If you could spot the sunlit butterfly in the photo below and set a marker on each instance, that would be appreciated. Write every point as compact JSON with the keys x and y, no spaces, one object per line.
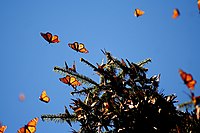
{"x":198,"y":2}
{"x":79,"y":47}
{"x":2,"y":129}
{"x":70,"y":80}
{"x":188,"y":79}
{"x":176,"y":13}
{"x":50,"y":38}
{"x":138,"y":12}
{"x":43,"y":97}
{"x":30,"y":127}
{"x":71,"y":69}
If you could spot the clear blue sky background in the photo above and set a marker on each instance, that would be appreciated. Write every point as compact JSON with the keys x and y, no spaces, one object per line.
{"x":27,"y":60}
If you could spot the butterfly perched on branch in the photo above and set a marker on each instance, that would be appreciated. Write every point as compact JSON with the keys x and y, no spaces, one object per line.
{"x":187,"y":79}
{"x":50,"y":38}
{"x":70,"y":80}
{"x":79,"y":47}
{"x":43,"y":97}
{"x":30,"y":127}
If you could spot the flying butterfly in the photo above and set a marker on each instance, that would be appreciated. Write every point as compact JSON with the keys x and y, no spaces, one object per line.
{"x":50,"y":38}
{"x":30,"y":127}
{"x":138,"y":12}
{"x":2,"y":129}
{"x":188,"y":79}
{"x":176,"y":13}
{"x":79,"y":47}
{"x":43,"y":97}
{"x":70,"y":80}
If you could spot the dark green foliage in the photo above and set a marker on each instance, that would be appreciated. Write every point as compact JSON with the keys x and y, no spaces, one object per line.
{"x":125,"y":100}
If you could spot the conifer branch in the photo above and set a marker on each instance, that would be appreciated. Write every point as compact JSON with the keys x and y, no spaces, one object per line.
{"x":82,"y":77}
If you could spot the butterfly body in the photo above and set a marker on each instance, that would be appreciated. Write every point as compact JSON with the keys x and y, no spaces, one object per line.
{"x":187,"y":79}
{"x":43,"y":97}
{"x":50,"y":38}
{"x":79,"y":47}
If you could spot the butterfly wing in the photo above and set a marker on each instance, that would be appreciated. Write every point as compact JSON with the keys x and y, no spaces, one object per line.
{"x":74,"y":46}
{"x":198,"y":3}
{"x":55,"y":39}
{"x":65,"y":80}
{"x":47,"y":36}
{"x":138,"y":12}
{"x":30,"y":127}
{"x":176,"y":13}
{"x":74,"y":82}
{"x":43,"y":97}
{"x":2,"y":129}
{"x":82,"y":49}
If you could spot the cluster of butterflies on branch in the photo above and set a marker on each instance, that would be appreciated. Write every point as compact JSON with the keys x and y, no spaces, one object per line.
{"x":176,"y":13}
{"x":190,"y":83}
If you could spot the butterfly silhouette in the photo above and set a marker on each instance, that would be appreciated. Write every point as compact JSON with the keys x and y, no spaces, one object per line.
{"x":50,"y":38}
{"x":43,"y":97}
{"x":79,"y":47}
{"x":30,"y":127}
{"x":187,"y":79}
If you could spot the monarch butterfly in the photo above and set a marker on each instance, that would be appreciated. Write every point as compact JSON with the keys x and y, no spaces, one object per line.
{"x":70,"y":80}
{"x":30,"y":127}
{"x":188,"y":79}
{"x":79,"y":47}
{"x":138,"y":12}
{"x":71,"y":69}
{"x":43,"y":97}
{"x":176,"y":13}
{"x":50,"y":38}
{"x":2,"y":129}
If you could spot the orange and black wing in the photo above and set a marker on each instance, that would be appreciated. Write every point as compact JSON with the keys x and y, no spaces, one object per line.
{"x":50,"y":38}
{"x":2,"y":129}
{"x":198,"y":3}
{"x":74,"y":82}
{"x":78,"y":47}
{"x":65,"y":80}
{"x":30,"y":127}
{"x":187,"y":79}
{"x":74,"y":46}
{"x":70,"y":80}
{"x":176,"y":13}
{"x":44,"y":97}
{"x":138,"y":12}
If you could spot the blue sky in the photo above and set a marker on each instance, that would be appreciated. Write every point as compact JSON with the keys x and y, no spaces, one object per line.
{"x":27,"y":60}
